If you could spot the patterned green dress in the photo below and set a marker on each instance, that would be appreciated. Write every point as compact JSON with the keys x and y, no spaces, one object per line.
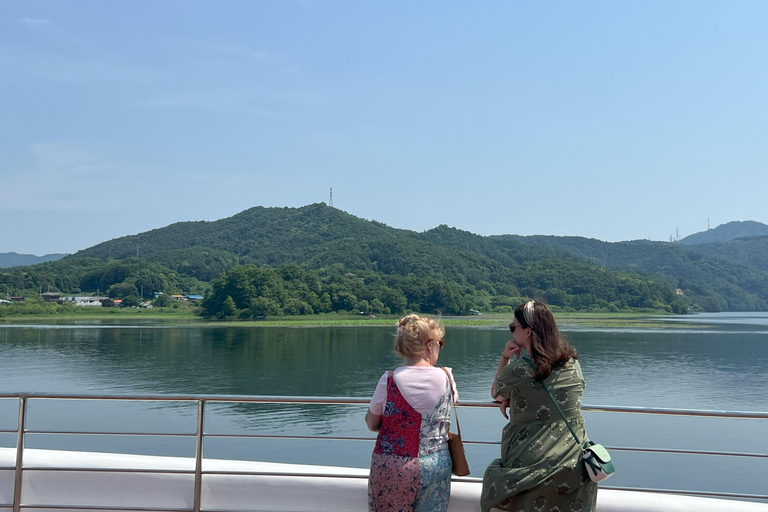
{"x":540,"y":469}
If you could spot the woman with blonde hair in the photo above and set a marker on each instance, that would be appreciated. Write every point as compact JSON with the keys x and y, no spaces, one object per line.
{"x":410,"y":409}
{"x":540,"y":466}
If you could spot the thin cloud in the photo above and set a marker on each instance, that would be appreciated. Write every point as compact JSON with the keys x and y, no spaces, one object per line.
{"x":69,"y":178}
{"x":57,"y":158}
{"x":240,"y":51}
{"x":203,"y":100}
{"x":260,"y":103}
{"x":34,"y":22}
{"x":21,"y":63}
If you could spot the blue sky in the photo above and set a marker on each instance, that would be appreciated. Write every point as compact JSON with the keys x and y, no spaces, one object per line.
{"x":610,"y":120}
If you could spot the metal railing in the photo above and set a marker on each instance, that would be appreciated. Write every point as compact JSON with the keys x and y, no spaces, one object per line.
{"x":21,"y":431}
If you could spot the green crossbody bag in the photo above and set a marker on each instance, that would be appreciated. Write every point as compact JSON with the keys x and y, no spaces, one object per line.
{"x":596,"y":458}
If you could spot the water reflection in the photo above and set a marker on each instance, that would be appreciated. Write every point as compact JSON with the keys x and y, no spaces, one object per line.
{"x":724,"y":367}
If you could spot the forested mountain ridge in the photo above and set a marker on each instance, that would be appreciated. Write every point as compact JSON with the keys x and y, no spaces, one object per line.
{"x":314,"y":236}
{"x":509,"y":252}
{"x":751,"y":251}
{"x":727,"y":232}
{"x":259,"y":235}
{"x":739,"y":281}
{"x":14,"y":259}
{"x":319,"y":259}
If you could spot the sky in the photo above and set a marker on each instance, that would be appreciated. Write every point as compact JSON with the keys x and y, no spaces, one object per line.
{"x":608,"y":120}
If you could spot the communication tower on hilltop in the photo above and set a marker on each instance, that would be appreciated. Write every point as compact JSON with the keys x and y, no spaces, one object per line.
{"x":330,"y":200}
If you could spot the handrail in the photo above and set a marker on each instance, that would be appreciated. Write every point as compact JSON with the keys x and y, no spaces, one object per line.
{"x":199,"y":435}
{"x":319,"y":400}
{"x":677,"y":412}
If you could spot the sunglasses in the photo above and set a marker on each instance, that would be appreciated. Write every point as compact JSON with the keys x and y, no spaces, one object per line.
{"x":440,"y":343}
{"x":512,"y":328}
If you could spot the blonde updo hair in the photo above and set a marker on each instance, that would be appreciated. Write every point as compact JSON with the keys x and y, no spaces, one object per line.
{"x":413,"y":333}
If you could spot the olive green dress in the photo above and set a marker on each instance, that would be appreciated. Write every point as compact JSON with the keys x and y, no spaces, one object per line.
{"x":540,"y":469}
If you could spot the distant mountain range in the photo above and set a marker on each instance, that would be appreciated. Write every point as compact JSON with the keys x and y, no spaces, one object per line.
{"x":727,"y":232}
{"x":728,"y":272}
{"x":13,"y":259}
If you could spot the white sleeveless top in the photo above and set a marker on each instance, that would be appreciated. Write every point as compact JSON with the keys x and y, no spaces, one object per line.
{"x":421,"y":386}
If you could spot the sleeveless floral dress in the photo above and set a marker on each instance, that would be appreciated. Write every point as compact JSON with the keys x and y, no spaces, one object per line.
{"x":411,"y":465}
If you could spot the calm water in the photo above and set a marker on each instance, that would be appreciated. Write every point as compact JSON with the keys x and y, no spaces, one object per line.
{"x":722,"y":364}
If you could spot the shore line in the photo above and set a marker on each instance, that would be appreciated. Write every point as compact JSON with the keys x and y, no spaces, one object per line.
{"x":565,"y":320}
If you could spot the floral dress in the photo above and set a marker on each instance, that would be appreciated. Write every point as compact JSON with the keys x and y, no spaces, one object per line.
{"x":540,"y":469}
{"x":411,"y":464}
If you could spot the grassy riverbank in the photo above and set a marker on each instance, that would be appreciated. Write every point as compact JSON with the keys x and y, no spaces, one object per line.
{"x":565,"y":320}
{"x":57,"y":314}
{"x":185,"y":315}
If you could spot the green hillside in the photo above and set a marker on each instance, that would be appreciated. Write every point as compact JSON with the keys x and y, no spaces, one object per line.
{"x":13,"y":259}
{"x":318,"y":259}
{"x":735,"y":286}
{"x":751,"y":251}
{"x":315,"y":236}
{"x":727,"y":232}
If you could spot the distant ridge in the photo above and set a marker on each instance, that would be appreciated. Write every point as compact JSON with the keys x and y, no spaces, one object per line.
{"x":751,"y":251}
{"x":444,"y":268}
{"x":14,"y":259}
{"x":727,"y":232}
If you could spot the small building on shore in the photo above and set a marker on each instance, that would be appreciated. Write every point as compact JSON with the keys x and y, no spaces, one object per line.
{"x":52,"y":297}
{"x":88,"y":301}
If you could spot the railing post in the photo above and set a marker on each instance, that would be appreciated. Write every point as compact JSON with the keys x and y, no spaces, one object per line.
{"x":198,"y":455}
{"x":19,"y":453}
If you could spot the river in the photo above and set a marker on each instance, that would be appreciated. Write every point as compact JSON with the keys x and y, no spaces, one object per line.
{"x":719,"y":363}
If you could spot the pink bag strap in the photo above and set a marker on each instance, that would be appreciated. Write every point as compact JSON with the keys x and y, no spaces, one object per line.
{"x":455,"y":411}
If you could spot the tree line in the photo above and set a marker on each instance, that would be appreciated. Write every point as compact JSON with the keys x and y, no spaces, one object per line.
{"x":249,"y":291}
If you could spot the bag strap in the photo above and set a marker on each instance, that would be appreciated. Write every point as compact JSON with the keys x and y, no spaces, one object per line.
{"x":555,"y":402}
{"x":455,"y":411}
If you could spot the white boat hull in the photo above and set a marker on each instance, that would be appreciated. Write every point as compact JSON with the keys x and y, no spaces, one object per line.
{"x":284,"y":487}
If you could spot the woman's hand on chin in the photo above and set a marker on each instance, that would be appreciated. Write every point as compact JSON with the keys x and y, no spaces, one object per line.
{"x":511,"y":349}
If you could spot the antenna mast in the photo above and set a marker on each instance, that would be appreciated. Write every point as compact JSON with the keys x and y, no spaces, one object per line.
{"x":330,"y":200}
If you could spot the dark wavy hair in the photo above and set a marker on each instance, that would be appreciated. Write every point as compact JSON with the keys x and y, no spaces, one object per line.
{"x":549,"y":349}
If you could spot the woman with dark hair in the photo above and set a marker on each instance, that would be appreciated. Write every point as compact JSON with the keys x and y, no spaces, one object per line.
{"x":540,"y":468}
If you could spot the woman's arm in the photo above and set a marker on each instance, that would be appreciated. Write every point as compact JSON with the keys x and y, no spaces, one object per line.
{"x":510,"y":349}
{"x":502,"y":363}
{"x":373,"y":421}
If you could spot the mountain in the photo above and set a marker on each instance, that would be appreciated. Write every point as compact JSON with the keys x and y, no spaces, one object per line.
{"x":13,"y":259}
{"x":314,"y":236}
{"x":727,"y":232}
{"x":739,"y":286}
{"x":324,"y":259}
{"x":751,"y":251}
